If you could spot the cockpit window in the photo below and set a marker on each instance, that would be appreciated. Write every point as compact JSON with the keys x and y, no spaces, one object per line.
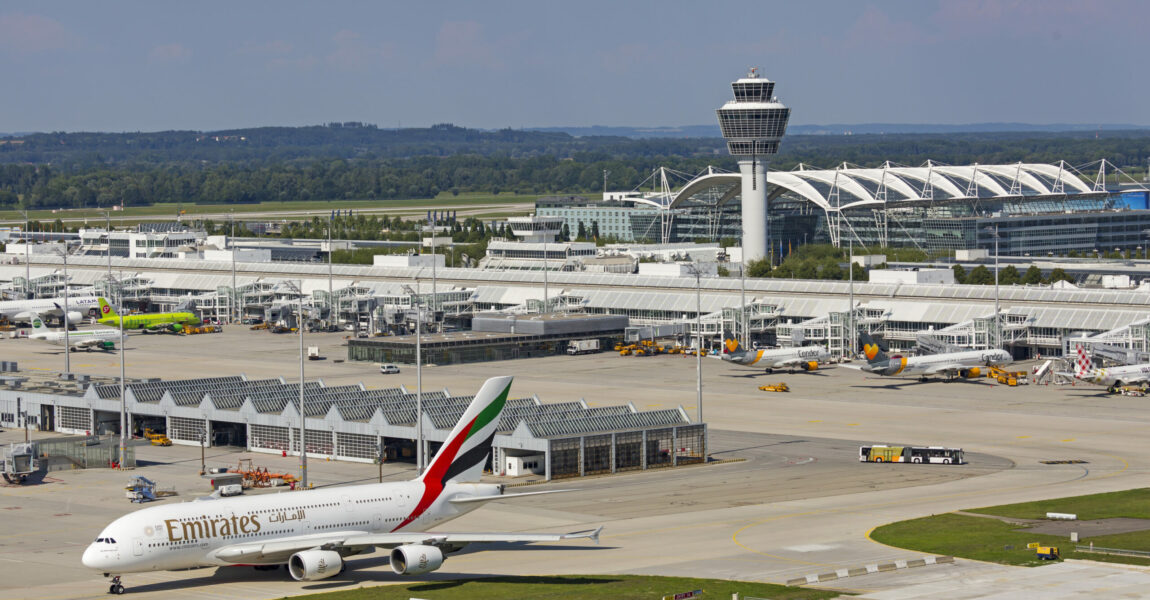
{"x":99,"y":540}
{"x":110,"y":540}
{"x":105,"y":541}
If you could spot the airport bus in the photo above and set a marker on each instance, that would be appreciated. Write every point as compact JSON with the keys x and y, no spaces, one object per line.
{"x":911,"y":454}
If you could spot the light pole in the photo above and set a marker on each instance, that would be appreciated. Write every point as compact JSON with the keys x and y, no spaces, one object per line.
{"x":546,"y":296}
{"x":379,"y":458}
{"x":302,"y":412}
{"x":203,"y":441}
{"x":235,"y":306}
{"x":997,"y":332}
{"x":123,"y":400}
{"x":331,"y":309}
{"x":27,"y":264}
{"x":418,"y":374}
{"x":67,"y":345}
{"x":108,"y":237}
{"x":743,"y":305}
{"x":694,"y":269}
{"x":851,"y":309}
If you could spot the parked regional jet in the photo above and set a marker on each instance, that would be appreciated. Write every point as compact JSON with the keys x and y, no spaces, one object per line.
{"x":806,"y":358}
{"x":312,"y":532}
{"x":99,"y":339}
{"x":950,"y":364}
{"x":1112,"y":378}
{"x":25,"y":310}
{"x":169,"y":321}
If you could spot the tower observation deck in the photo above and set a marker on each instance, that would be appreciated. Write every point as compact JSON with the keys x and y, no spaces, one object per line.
{"x":753,"y":124}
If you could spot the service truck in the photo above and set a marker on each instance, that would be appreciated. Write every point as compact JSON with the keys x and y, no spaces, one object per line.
{"x":582,"y":347}
{"x":313,"y":353}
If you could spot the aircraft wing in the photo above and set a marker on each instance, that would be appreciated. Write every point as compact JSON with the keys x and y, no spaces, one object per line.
{"x":282,"y":549}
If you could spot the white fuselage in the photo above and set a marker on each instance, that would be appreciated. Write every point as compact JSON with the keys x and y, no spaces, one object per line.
{"x":187,"y":535}
{"x":78,"y":338}
{"x":942,"y":363}
{"x":779,"y":358}
{"x":1116,"y":375}
{"x":15,"y":308}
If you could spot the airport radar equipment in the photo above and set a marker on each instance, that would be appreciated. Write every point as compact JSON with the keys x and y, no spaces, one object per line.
{"x":753,"y":124}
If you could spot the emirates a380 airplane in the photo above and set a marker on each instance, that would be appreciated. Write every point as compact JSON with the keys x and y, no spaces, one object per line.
{"x":312,"y":532}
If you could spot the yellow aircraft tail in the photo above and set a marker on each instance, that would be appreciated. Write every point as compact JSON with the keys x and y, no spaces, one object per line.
{"x":106,"y":309}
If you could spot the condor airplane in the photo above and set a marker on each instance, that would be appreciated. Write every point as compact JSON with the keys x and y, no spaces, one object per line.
{"x":312,"y":532}
{"x":950,"y":364}
{"x":806,"y":358}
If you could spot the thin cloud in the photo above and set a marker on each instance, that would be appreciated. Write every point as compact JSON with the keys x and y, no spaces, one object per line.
{"x":169,"y":53}
{"x":463,"y":43}
{"x":27,"y":34}
{"x":352,"y":53}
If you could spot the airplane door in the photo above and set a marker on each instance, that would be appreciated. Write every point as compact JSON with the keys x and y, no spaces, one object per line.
{"x":376,"y":522}
{"x":137,"y":546}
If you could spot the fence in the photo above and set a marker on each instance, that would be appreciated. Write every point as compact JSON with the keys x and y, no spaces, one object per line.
{"x":1116,"y":551}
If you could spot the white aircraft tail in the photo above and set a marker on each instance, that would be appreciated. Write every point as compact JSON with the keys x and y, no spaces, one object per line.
{"x":1082,"y":365}
{"x":38,"y":325}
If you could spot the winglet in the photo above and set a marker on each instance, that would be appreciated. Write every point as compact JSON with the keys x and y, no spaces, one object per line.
{"x":592,"y":535}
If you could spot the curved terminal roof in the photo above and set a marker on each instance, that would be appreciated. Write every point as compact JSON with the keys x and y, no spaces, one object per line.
{"x":851,"y":187}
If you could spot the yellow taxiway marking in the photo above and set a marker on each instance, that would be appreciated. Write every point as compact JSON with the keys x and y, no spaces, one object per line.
{"x":1068,"y":440}
{"x":650,"y":405}
{"x":815,"y":421}
{"x":1022,"y":437}
{"x":852,"y":424}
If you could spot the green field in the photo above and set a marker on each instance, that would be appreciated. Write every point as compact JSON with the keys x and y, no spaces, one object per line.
{"x":574,"y":587}
{"x":1134,"y":504}
{"x":444,"y":200}
{"x":992,"y":540}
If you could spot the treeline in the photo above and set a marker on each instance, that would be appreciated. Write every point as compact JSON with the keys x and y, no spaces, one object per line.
{"x":98,"y":170}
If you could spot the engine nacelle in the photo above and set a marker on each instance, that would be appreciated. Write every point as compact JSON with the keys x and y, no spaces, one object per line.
{"x":75,"y":318}
{"x":811,"y":365}
{"x":313,"y":565}
{"x":176,"y":327}
{"x":415,"y":559}
{"x":972,"y":372}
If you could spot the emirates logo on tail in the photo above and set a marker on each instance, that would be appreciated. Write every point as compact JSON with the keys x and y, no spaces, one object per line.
{"x":1083,"y":364}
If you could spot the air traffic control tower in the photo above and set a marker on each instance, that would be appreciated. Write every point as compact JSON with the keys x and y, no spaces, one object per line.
{"x":753,"y":123}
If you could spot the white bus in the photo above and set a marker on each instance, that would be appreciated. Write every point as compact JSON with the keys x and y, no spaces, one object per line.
{"x":911,"y":454}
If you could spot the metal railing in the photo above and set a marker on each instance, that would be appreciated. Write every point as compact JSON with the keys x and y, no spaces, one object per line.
{"x":1117,"y":551}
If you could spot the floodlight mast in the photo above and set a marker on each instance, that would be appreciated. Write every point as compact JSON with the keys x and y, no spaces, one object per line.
{"x":753,"y":124}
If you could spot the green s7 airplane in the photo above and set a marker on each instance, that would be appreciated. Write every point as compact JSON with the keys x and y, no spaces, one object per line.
{"x":171,"y":321}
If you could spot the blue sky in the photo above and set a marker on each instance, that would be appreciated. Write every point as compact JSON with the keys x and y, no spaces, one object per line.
{"x":127,"y":66}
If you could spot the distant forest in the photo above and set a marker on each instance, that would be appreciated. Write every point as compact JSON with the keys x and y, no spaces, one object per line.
{"x":357,"y":161}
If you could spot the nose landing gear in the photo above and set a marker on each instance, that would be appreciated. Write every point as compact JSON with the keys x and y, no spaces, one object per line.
{"x":116,"y":587}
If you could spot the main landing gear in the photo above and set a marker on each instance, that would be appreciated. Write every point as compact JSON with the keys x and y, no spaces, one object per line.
{"x":116,"y":587}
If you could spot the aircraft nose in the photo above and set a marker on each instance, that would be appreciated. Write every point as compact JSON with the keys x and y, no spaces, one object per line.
{"x":89,"y":558}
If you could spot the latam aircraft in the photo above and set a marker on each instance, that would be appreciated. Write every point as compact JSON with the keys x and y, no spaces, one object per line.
{"x":968,"y":363}
{"x":314,"y":531}
{"x":24,"y":310}
{"x":806,"y":358}
{"x":1111,"y":378}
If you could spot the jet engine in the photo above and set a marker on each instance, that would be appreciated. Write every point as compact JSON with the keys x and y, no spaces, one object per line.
{"x":176,"y":327}
{"x":313,"y":565}
{"x":971,"y":373}
{"x":415,"y":559}
{"x":75,"y":318}
{"x":811,"y":365}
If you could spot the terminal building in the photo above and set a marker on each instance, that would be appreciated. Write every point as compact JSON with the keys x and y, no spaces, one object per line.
{"x":350,"y":422}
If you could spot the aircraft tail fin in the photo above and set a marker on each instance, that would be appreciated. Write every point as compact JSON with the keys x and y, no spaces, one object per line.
{"x":106,"y":309}
{"x":873,"y":352}
{"x":464,"y":454}
{"x":731,"y":345}
{"x":38,"y":324}
{"x":1083,"y":364}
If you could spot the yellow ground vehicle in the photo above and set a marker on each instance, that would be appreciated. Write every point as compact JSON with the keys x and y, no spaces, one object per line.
{"x":618,"y":347}
{"x":1011,"y":378}
{"x":625,"y":351}
{"x":157,"y":439}
{"x":1047,"y":552}
{"x":258,"y":326}
{"x":775,"y":387}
